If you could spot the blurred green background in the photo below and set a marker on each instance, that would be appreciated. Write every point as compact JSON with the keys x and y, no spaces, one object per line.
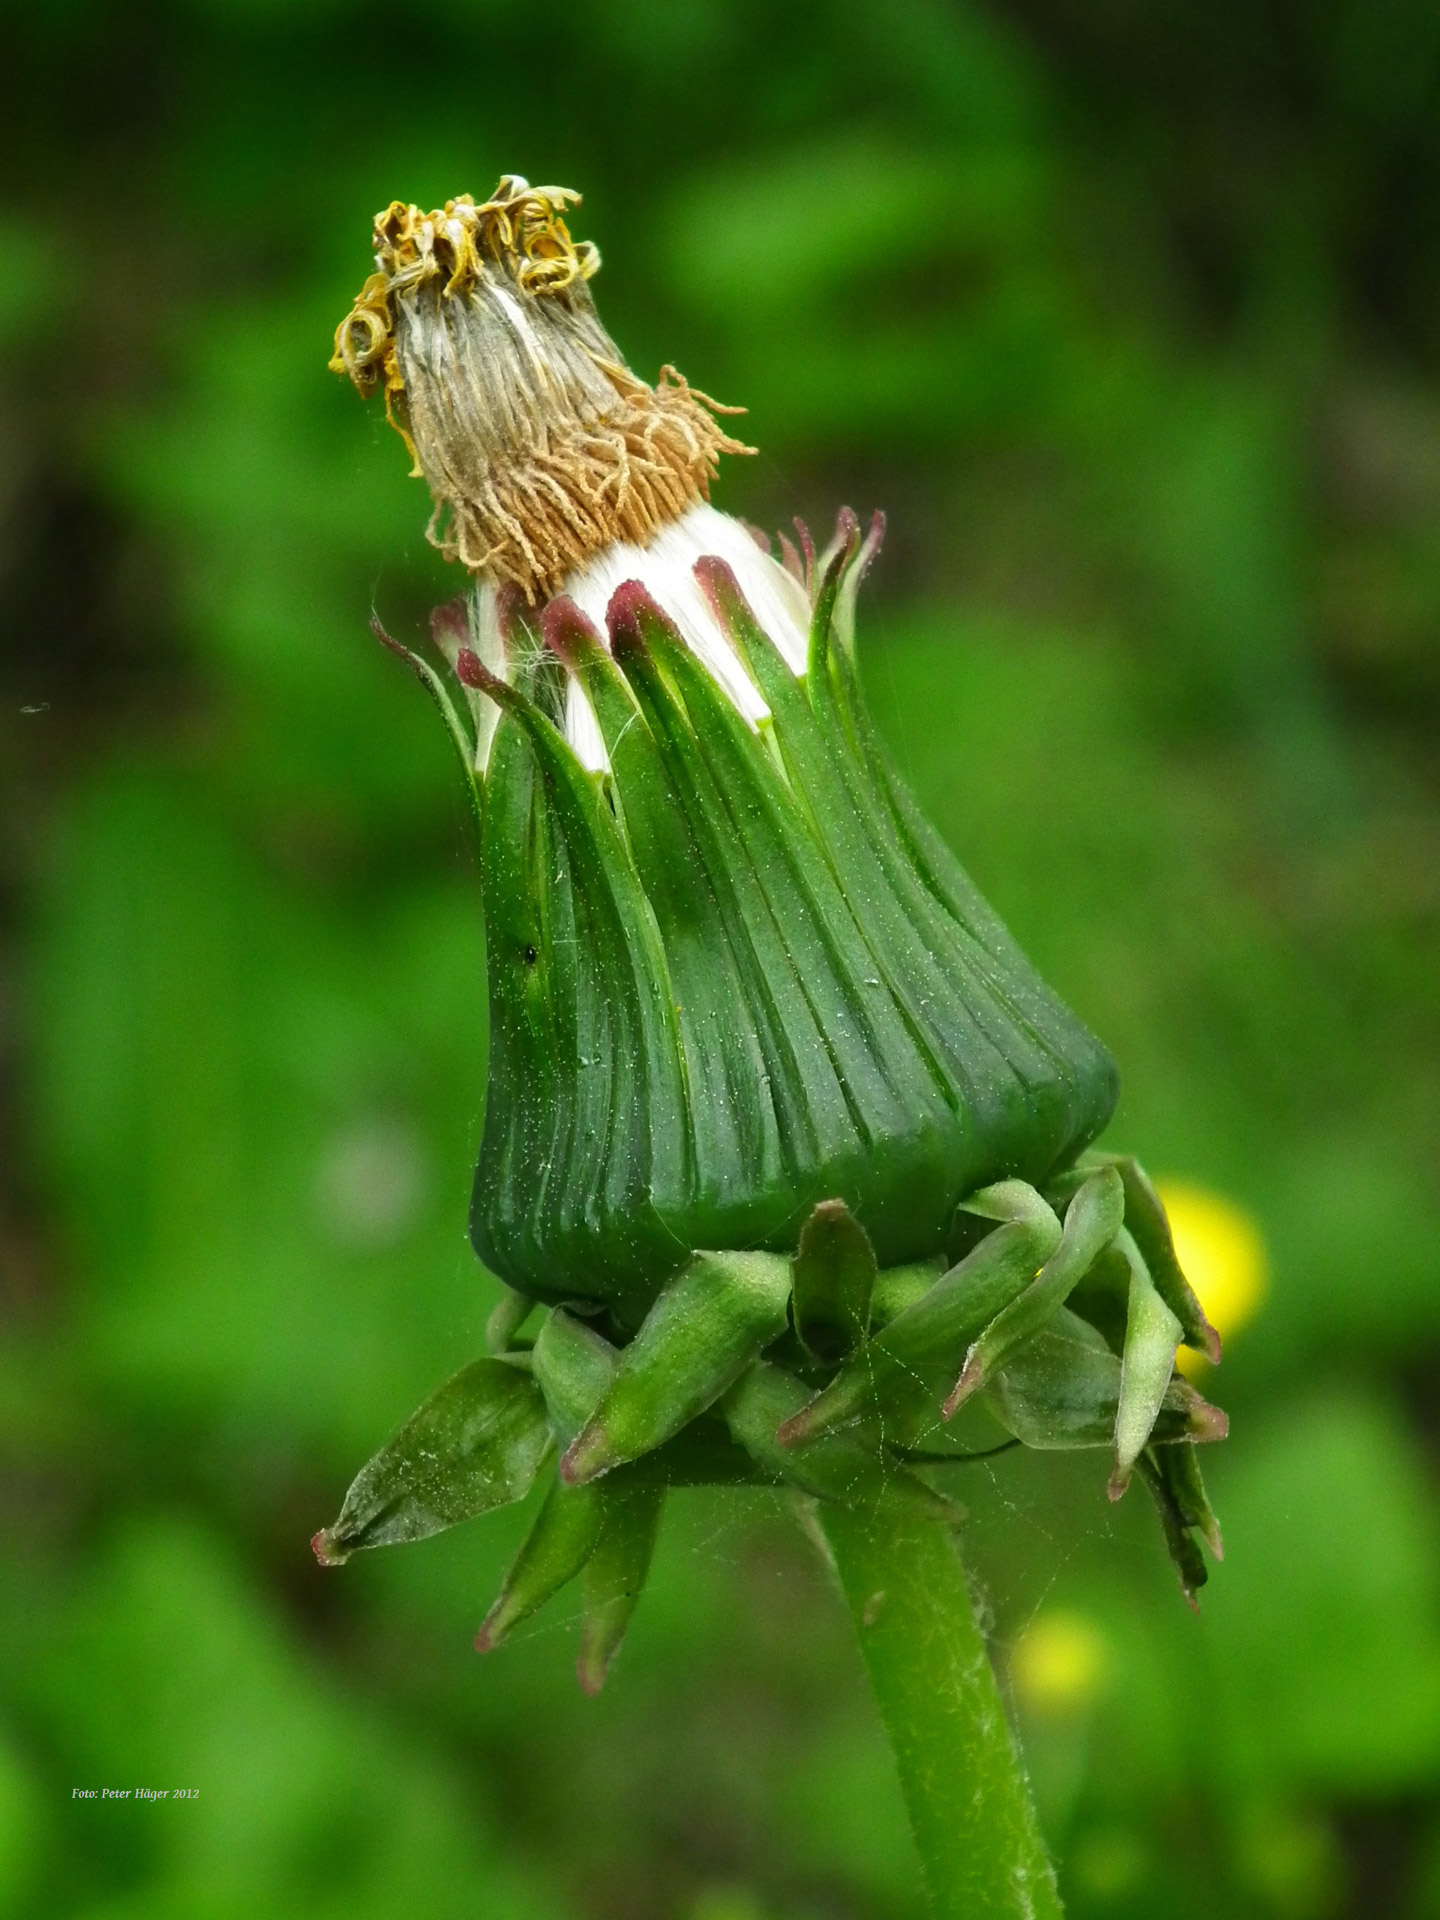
{"x":1130,"y":317}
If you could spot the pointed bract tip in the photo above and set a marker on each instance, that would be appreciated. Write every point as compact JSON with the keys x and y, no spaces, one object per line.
{"x":1207,"y":1422}
{"x":630,"y":601}
{"x":587,"y":1456}
{"x":795,"y":1431}
{"x":838,"y":555}
{"x":489,"y":1636}
{"x":972,"y":1376}
{"x":825,"y":1211}
{"x":1212,"y":1348}
{"x":510,"y":606}
{"x":450,"y":620}
{"x":567,"y":631}
{"x":590,"y":1673}
{"x":322,"y":1545}
{"x":471,"y":671}
{"x":388,"y":640}
{"x":791,"y":561}
{"x":718,"y":583}
{"x":1118,"y":1482}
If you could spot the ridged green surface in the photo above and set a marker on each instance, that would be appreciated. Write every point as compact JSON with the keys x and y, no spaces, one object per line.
{"x":738,"y":976}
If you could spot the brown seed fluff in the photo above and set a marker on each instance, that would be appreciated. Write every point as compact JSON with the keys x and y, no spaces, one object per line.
{"x":539,"y":444}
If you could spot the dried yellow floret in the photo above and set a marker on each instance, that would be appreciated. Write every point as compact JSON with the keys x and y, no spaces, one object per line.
{"x":539,"y":445}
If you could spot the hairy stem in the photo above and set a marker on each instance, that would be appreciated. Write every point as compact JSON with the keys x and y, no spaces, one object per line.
{"x":965,"y":1789}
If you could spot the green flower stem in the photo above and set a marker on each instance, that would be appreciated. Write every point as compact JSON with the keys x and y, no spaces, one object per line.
{"x":960,"y":1771}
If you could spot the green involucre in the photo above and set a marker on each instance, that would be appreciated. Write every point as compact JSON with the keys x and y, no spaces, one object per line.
{"x":736,"y":975}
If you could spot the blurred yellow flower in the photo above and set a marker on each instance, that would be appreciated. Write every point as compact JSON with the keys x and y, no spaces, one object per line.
{"x":1060,"y":1662}
{"x":1220,"y":1248}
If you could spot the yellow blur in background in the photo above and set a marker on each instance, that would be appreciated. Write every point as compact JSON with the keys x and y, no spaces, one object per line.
{"x":1222,"y":1254}
{"x":1060,"y":1664}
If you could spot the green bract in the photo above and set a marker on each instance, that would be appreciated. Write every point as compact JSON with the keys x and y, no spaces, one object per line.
{"x":736,"y":974}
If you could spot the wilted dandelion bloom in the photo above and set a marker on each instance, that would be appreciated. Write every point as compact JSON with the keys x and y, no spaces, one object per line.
{"x":781,"y":1127}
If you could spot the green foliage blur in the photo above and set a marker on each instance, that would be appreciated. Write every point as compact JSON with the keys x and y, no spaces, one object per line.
{"x":1131,"y":319}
